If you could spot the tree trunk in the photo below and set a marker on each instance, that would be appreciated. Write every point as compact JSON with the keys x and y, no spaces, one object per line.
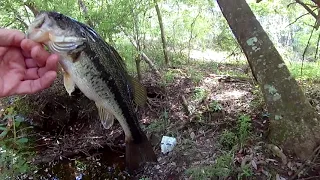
{"x":143,"y":55}
{"x":137,"y":40}
{"x":163,"y":37}
{"x":191,"y":34}
{"x":84,"y":10}
{"x":294,"y":124}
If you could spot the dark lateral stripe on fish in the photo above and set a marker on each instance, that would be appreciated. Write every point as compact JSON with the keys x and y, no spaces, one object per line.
{"x":128,"y":115}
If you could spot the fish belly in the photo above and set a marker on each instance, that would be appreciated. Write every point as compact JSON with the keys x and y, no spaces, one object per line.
{"x":88,"y":80}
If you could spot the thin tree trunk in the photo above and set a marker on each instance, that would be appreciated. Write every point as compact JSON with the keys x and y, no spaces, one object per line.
{"x":163,"y":37}
{"x":137,"y":39}
{"x":191,"y":34}
{"x":84,"y":10}
{"x":143,"y":55}
{"x":294,"y":124}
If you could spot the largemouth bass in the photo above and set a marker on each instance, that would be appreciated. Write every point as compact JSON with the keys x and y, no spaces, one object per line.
{"x":99,"y":72}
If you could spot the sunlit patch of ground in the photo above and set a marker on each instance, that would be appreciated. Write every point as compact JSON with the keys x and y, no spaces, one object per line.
{"x":210,"y":55}
{"x":215,"y":105}
{"x":197,"y":133}
{"x":215,"y":94}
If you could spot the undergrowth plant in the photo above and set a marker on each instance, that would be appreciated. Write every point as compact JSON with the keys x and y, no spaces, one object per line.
{"x":230,"y":141}
{"x":215,"y":106}
{"x":15,"y":151}
{"x":244,"y":129}
{"x":223,"y":168}
{"x":200,"y":94}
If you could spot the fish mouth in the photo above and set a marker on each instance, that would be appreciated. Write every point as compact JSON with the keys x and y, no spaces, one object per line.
{"x":36,"y":32}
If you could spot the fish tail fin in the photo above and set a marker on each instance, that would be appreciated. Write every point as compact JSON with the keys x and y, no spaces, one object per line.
{"x":138,"y":153}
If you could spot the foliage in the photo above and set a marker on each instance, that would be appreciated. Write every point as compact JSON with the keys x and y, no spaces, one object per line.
{"x":229,"y":142}
{"x":198,"y":22}
{"x":14,"y":146}
{"x":310,"y":70}
{"x":189,"y":25}
{"x":195,"y":76}
{"x":244,"y":128}
{"x":228,"y":139}
{"x":170,"y":75}
{"x":200,"y":93}
{"x":222,"y":168}
{"x":215,"y":106}
{"x":160,"y":125}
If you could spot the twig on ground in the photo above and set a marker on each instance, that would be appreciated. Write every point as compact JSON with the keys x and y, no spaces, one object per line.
{"x":185,"y":105}
{"x":314,"y":156}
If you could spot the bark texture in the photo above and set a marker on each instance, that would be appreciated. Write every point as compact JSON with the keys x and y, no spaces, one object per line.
{"x":294,"y":124}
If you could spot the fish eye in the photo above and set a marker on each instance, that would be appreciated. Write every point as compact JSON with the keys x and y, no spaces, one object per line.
{"x":83,"y":34}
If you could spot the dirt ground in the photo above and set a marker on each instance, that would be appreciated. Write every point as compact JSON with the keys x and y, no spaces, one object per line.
{"x":71,"y":142}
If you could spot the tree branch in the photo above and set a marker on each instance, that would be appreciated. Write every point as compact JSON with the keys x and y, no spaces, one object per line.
{"x":18,"y":17}
{"x":317,"y":50}
{"x":297,"y":19}
{"x":290,"y":4}
{"x":8,"y":24}
{"x":144,"y":56}
{"x":305,"y":50}
{"x":317,"y":2}
{"x":308,"y":9}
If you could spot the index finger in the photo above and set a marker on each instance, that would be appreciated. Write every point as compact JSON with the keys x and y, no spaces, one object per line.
{"x":11,"y":37}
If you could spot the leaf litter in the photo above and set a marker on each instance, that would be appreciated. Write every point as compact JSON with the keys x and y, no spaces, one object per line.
{"x":196,"y":113}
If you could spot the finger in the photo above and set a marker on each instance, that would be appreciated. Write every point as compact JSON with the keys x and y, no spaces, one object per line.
{"x":26,"y":46}
{"x":34,"y":86}
{"x":30,"y":63}
{"x":11,"y":37}
{"x":39,"y":55}
{"x":35,"y":50}
{"x":51,"y":65}
{"x":31,"y":74}
{"x":52,"y":62}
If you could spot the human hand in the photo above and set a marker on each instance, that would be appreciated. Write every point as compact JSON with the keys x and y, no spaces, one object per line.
{"x":25,"y":66}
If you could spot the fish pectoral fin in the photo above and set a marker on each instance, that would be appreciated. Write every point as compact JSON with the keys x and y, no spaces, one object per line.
{"x":68,"y":83}
{"x":105,"y":116}
{"x":139,"y":91}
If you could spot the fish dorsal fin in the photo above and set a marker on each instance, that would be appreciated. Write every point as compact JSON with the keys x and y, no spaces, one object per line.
{"x":139,"y":91}
{"x":68,"y":83}
{"x":105,"y":116}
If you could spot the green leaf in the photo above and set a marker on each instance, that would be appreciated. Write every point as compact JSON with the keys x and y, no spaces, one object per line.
{"x":4,"y":133}
{"x":19,"y":119}
{"x":17,"y":123}
{"x":22,"y":140}
{"x":3,"y":128}
{"x":8,"y":117}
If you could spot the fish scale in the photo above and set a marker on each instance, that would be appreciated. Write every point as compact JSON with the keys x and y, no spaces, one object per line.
{"x":99,"y":72}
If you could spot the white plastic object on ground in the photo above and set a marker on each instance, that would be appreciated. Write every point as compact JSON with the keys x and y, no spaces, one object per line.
{"x":167,"y":144}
